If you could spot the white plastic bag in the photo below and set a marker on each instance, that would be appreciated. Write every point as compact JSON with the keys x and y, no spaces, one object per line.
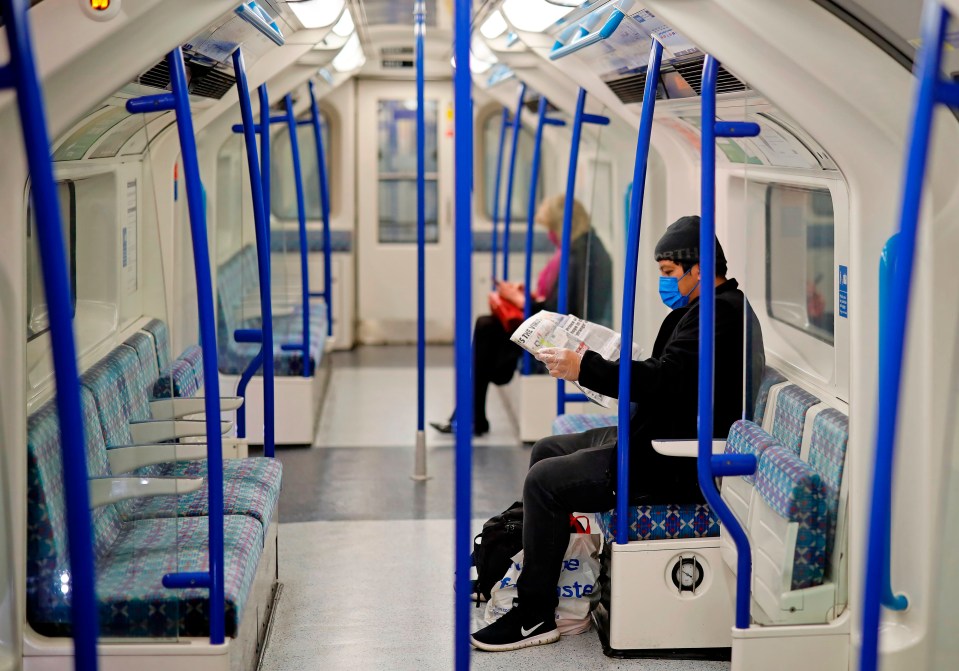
{"x":577,"y":589}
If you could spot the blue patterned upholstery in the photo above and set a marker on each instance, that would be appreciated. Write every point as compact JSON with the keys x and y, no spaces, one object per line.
{"x":161,"y":340}
{"x":183,"y":377}
{"x":771,"y":377}
{"x":143,"y":345}
{"x":790,"y":416}
{"x":658,"y":522}
{"x":794,"y":490}
{"x":237,"y":284}
{"x":105,"y":383}
{"x":579,"y":423}
{"x":827,"y":454}
{"x":747,"y":437}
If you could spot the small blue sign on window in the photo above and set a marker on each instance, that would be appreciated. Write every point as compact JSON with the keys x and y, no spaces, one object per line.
{"x":844,"y":292}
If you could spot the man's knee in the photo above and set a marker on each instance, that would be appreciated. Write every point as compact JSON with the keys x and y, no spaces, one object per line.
{"x":540,"y":479}
{"x":544,"y":449}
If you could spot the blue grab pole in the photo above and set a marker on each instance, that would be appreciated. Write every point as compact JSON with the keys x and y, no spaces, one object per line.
{"x":204,"y":289}
{"x":260,"y":226}
{"x":265,"y":153}
{"x":508,"y":211}
{"x":541,"y":122}
{"x":21,"y":75}
{"x":706,"y":465}
{"x":304,"y":245}
{"x":563,"y":295}
{"x":463,"y":138}
{"x":634,"y":227}
{"x":325,"y":207}
{"x":420,"y":28}
{"x":499,"y":175}
{"x":932,"y":89}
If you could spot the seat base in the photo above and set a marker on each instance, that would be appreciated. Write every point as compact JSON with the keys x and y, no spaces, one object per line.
{"x":641,"y":603}
{"x":794,"y":648}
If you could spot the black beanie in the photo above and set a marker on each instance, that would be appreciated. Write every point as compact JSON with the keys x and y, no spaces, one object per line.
{"x":680,"y":244}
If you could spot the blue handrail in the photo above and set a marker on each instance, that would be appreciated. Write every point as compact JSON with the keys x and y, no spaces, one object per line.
{"x":463,"y":155}
{"x":586,"y":39}
{"x":327,"y":292}
{"x":419,"y":16}
{"x":21,"y":74}
{"x":204,"y":288}
{"x":634,"y":224}
{"x":579,"y":119}
{"x":508,"y":212}
{"x":504,"y":124}
{"x":932,"y":90}
{"x":304,"y":245}
{"x":253,"y":14}
{"x":708,"y":467}
{"x":260,"y":226}
{"x":264,"y":130}
{"x":541,"y":122}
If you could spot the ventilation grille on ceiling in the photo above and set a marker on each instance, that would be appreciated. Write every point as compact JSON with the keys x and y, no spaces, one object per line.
{"x":205,"y":81}
{"x":692,"y":72}
{"x":396,"y":63}
{"x":630,"y":89}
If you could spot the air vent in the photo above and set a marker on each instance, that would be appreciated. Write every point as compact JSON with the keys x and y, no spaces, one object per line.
{"x":397,"y":51}
{"x":205,"y":81}
{"x":396,"y":63}
{"x":630,"y":89}
{"x":692,"y":72}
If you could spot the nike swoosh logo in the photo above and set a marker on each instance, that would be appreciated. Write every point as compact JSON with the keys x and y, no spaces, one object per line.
{"x":527,"y":632}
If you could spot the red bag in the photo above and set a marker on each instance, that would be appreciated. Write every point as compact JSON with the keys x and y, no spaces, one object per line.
{"x":509,"y":315}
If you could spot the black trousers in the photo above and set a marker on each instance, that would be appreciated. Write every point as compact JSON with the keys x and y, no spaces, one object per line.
{"x":570,"y":473}
{"x":494,"y":361}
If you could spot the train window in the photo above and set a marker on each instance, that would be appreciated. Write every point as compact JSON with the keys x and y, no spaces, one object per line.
{"x":397,"y":171}
{"x":800,"y":277}
{"x":524,"y":160}
{"x":282,"y":188}
{"x":38,"y":321}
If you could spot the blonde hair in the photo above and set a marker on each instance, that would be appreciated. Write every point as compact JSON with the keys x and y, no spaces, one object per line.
{"x":554,"y":207}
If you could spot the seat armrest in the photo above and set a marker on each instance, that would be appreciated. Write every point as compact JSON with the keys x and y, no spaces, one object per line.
{"x":131,"y":457}
{"x":176,"y":408}
{"x":104,"y":491}
{"x":233,"y":447}
{"x":157,"y":431}
{"x":685,"y":448}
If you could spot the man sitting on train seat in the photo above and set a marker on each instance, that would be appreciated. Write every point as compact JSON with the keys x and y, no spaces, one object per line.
{"x":577,"y":472}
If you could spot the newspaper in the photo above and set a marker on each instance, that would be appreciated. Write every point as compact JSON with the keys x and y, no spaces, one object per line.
{"x":550,"y":329}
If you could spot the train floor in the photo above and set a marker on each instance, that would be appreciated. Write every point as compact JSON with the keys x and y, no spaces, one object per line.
{"x":366,"y":553}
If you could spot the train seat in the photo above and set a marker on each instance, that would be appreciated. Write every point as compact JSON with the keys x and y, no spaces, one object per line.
{"x":131,"y":557}
{"x":238,"y":296}
{"x":116,"y":386}
{"x":577,"y":423}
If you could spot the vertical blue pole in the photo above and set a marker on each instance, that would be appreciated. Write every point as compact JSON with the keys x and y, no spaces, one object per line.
{"x":21,"y":74}
{"x":508,"y":212}
{"x":877,"y":589}
{"x":420,"y":29}
{"x":531,"y":218}
{"x":260,"y":226}
{"x":563,"y":297}
{"x":463,"y":135}
{"x":325,"y":205}
{"x":265,"y":166}
{"x":499,"y":174}
{"x":304,"y":244}
{"x":204,"y":289}
{"x":634,"y":227}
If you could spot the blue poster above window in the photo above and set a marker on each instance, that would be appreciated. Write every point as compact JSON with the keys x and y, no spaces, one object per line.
{"x":844,"y":292}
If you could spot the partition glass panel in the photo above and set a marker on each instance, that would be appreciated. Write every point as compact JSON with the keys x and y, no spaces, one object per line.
{"x":524,"y":158}
{"x":282,"y":188}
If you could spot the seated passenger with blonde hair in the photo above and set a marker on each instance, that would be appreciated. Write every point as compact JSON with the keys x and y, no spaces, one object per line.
{"x":589,"y":290}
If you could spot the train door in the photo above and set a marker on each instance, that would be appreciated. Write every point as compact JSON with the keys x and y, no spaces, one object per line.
{"x":386,"y":212}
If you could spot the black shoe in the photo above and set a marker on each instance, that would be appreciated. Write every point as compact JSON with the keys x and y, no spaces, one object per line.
{"x":513,"y":631}
{"x":479,"y":429}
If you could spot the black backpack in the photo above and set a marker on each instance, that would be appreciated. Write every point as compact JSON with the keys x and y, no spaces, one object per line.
{"x":494,"y":547}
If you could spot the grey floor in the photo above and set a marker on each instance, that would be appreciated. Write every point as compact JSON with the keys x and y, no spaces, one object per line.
{"x":366,"y":553}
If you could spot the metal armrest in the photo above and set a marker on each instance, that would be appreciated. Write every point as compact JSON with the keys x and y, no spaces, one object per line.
{"x":175,"y":408}
{"x":157,"y":431}
{"x":685,"y":448}
{"x":131,"y":457}
{"x":104,"y":491}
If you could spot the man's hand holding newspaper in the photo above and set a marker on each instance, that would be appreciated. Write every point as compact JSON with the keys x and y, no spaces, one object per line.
{"x":560,"y":341}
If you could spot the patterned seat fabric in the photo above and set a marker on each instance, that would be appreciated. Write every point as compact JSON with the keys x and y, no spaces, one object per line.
{"x":827,"y":454}
{"x":771,"y":377}
{"x":183,"y":377}
{"x":663,"y":521}
{"x":130,"y":557}
{"x":747,"y":437}
{"x":795,"y":491}
{"x":238,"y":284}
{"x":790,"y":416}
{"x":578,"y":423}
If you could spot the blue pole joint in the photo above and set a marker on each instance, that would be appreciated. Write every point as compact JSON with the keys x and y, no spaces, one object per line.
{"x":736,"y":129}
{"x":161,"y":102}
{"x":732,"y":464}
{"x":187,"y":580}
{"x":248,"y":335}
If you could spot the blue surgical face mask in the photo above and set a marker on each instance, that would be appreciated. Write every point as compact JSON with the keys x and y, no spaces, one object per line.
{"x":670,"y":293}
